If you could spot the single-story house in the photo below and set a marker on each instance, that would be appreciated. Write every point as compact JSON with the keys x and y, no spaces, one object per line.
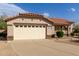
{"x":35,"y":26}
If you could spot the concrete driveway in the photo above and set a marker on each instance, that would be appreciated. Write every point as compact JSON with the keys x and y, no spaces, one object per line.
{"x":43,"y":48}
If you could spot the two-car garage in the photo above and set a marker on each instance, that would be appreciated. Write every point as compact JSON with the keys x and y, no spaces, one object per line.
{"x":27,"y":26}
{"x":29,"y":31}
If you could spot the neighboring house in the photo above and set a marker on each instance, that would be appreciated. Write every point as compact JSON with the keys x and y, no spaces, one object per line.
{"x":35,"y":26}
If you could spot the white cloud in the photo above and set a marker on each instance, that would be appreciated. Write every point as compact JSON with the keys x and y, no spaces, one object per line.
{"x":10,"y":9}
{"x":73,"y":9}
{"x":46,"y":14}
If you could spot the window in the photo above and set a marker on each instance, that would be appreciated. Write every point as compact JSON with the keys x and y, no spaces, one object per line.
{"x":40,"y":26}
{"x":29,"y":26}
{"x":36,"y":26}
{"x":25,"y":25}
{"x":16,"y":25}
{"x":21,"y":26}
{"x":32,"y":26}
{"x":60,"y":28}
{"x":43,"y":26}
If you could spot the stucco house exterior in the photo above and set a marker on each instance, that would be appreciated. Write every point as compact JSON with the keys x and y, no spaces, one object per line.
{"x":62,"y":25}
{"x":35,"y":26}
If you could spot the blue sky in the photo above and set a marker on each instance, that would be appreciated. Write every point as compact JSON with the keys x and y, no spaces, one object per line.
{"x":53,"y":10}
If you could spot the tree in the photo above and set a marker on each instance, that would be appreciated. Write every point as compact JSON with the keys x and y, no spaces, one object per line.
{"x":3,"y":24}
{"x":76,"y":30}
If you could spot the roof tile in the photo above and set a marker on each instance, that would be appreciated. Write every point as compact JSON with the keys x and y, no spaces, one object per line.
{"x":60,"y":21}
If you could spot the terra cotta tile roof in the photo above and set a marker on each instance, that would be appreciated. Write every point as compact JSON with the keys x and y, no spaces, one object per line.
{"x":55,"y":21}
{"x":28,"y":15}
{"x":60,"y":21}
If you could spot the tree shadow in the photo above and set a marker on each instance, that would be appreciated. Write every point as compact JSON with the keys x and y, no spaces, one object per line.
{"x":76,"y":41}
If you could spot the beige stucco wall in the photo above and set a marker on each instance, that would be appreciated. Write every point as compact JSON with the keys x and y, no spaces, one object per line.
{"x":50,"y":30}
{"x":25,"y":20}
{"x":70,"y":29}
{"x":9,"y":31}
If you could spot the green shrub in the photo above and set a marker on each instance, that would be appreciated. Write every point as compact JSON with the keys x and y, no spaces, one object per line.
{"x":60,"y":34}
{"x":76,"y":31}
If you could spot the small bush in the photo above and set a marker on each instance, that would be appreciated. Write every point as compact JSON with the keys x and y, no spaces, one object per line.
{"x":59,"y":34}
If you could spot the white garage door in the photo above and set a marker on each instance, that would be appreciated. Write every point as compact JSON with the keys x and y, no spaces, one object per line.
{"x":29,"y":32}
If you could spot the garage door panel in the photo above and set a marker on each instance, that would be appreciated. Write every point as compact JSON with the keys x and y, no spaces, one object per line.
{"x":29,"y":33}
